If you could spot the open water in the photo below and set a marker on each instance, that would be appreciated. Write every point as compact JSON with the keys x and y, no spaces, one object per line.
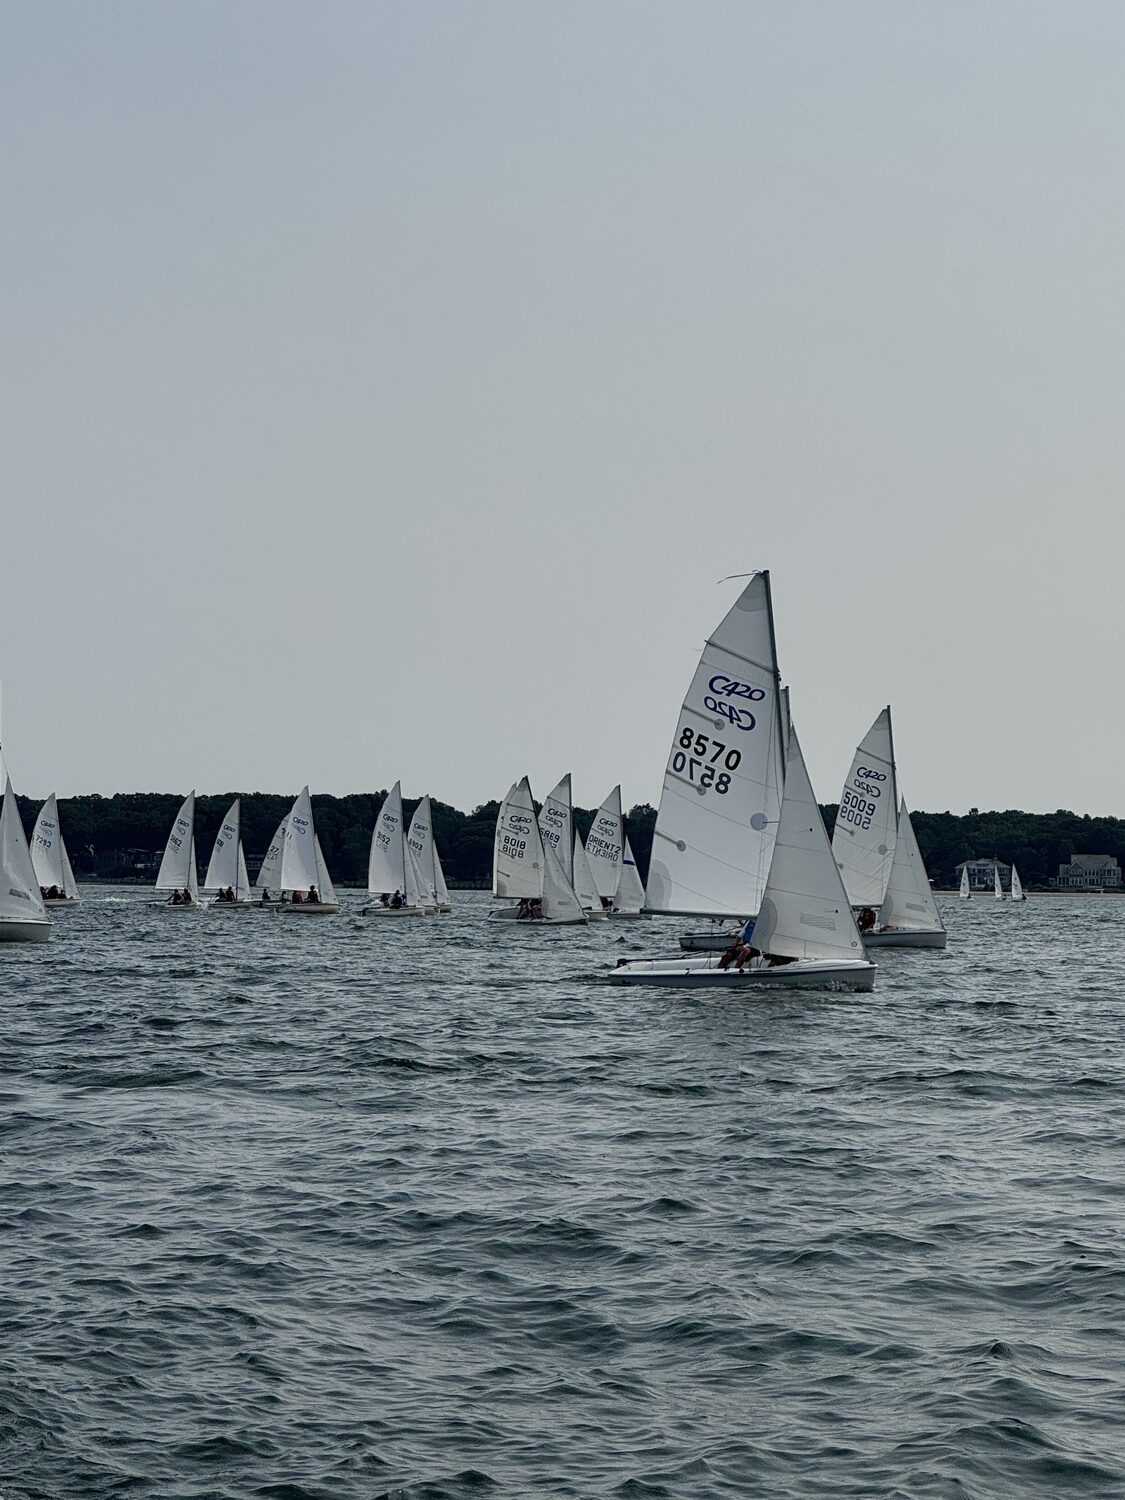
{"x":417,"y":1209}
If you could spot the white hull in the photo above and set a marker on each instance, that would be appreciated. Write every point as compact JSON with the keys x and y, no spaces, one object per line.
{"x":509,"y":914}
{"x":25,"y":930}
{"x":707,"y":942}
{"x":595,"y":916}
{"x":230,"y":906}
{"x":903,"y":939}
{"x":704,"y":974}
{"x":309,"y":908}
{"x":62,"y":900}
{"x":394,"y":911}
{"x":624,"y":916}
{"x":180,"y":905}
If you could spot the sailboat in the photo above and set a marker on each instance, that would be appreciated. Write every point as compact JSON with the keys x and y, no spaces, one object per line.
{"x":965,"y":892}
{"x":392,"y":870}
{"x":997,"y":888}
{"x":178,"y":872}
{"x":226,"y":870}
{"x":1017,"y":886}
{"x":269,"y":875}
{"x":556,"y":829}
{"x":23,"y":915}
{"x":522,"y":869}
{"x":804,"y":917}
{"x":908,"y":914}
{"x":420,"y":840}
{"x":605,"y":850}
{"x":303,"y":871}
{"x":721,"y":798}
{"x":50,"y":859}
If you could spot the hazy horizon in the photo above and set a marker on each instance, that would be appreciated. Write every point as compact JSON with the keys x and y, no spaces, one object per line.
{"x":388,"y":388}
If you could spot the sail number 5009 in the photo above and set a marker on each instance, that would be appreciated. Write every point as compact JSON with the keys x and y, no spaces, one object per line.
{"x":701,"y":757}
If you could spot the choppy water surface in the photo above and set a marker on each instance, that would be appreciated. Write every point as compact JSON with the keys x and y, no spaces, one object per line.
{"x":333,"y":1208}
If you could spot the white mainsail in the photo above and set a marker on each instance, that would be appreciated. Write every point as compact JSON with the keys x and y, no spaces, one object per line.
{"x":227,"y":866}
{"x":20,"y":900}
{"x":630,"y":897}
{"x":560,"y":904}
{"x":517,"y":855}
{"x":48,"y":852}
{"x":805,"y":911}
{"x":1017,"y":885}
{"x":386,"y":864}
{"x":721,"y":799}
{"x":863,"y":841}
{"x":965,"y":892}
{"x":269,"y":876}
{"x":556,"y":824}
{"x":584,"y":887}
{"x":299,"y":856}
{"x":177,"y":868}
{"x":605,"y":845}
{"x":997,"y":888}
{"x":441,"y":890}
{"x":420,"y":844}
{"x":324,"y":887}
{"x":909,"y":904}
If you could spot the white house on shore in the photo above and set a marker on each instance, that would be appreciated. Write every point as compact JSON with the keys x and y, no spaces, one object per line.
{"x":1089,"y":872}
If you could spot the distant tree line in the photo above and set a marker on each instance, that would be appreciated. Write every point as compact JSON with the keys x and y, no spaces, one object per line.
{"x":138,"y":822}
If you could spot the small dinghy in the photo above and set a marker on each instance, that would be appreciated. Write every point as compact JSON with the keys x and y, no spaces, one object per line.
{"x":392,"y":869}
{"x":304,"y":876}
{"x":1017,"y":886}
{"x":226,"y":871}
{"x":420,"y":841}
{"x":268,"y":881}
{"x":611,"y":860}
{"x":805,"y":936}
{"x":556,"y":829}
{"x":178,"y":872}
{"x":965,"y":892}
{"x":908,"y":916}
{"x":23,"y":914}
{"x":52,"y":863}
{"x":525,"y":872}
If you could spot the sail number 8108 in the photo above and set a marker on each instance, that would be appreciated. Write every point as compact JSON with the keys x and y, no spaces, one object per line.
{"x":702,"y":757}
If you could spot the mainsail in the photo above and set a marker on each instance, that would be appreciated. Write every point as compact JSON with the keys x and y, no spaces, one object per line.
{"x":517,"y":855}
{"x":605,"y":845}
{"x":48,"y":852}
{"x":19,"y":888}
{"x":177,"y":868}
{"x":227,"y":866}
{"x":863,"y":841}
{"x":909,"y":904}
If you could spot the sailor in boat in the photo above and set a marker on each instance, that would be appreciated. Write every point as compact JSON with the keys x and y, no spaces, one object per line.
{"x":866,"y":920}
{"x":313,"y":897}
{"x":297,"y":898}
{"x":397,"y":901}
{"x":385,"y":899}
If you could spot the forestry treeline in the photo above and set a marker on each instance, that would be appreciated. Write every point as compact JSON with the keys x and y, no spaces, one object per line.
{"x":122,"y":836}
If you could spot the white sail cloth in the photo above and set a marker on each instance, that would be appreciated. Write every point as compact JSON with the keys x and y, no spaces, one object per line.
{"x":804,"y":912}
{"x":48,"y":852}
{"x":386,"y":863}
{"x":421,"y":849}
{"x":517,"y":853}
{"x":630,"y":898}
{"x":605,"y":845}
{"x":909,"y":904}
{"x":20,"y":900}
{"x":721,"y":799}
{"x":556,"y":825}
{"x":227,"y":865}
{"x":584,"y":887}
{"x":269,"y":876}
{"x":302,"y":859}
{"x":863,"y":840}
{"x":1017,"y":885}
{"x":178,"y":870}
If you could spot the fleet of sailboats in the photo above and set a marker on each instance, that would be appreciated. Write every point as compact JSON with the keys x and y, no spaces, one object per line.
{"x":526,"y":871}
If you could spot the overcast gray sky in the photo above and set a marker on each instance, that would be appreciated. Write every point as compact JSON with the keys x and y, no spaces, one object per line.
{"x":386,"y":388}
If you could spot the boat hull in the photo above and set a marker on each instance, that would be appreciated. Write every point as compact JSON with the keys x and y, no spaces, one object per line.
{"x":904,"y":939}
{"x":309,"y":908}
{"x":704,"y":974}
{"x":180,"y":905}
{"x":25,"y":929}
{"x":394,"y":911}
{"x":509,"y":914}
{"x":230,"y":906}
{"x":62,"y":900}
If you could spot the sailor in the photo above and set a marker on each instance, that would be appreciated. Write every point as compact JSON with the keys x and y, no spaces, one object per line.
{"x":866,"y":919}
{"x":313,"y":896}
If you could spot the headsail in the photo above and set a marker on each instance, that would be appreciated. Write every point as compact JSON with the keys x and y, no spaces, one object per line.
{"x":386,"y":864}
{"x":863,"y":841}
{"x":584,"y":887}
{"x":630,"y":891}
{"x":909,"y":904}
{"x":19,"y":888}
{"x":605,"y":845}
{"x":721,"y":799}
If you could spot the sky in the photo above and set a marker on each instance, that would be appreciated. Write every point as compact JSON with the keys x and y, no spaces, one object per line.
{"x":387,"y":388}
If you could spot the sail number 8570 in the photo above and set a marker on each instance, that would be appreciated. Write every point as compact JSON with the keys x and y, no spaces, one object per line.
{"x":701,"y":758}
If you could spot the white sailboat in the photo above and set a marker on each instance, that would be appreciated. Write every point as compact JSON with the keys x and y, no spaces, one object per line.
{"x":965,"y":892}
{"x":226,"y":870}
{"x":420,"y":840}
{"x":1017,"y":886}
{"x":268,"y":881}
{"x":50,"y":859}
{"x":908,"y":914}
{"x":805,"y":931}
{"x":23,"y":915}
{"x":556,"y":829}
{"x":178,"y":872}
{"x":630,"y":899}
{"x":997,"y":888}
{"x":526,"y":872}
{"x":866,"y":831}
{"x":304,"y":874}
{"x":393,"y":876}
{"x":721,"y":798}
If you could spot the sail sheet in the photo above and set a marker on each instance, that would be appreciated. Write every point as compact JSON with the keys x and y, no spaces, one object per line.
{"x":298,"y":857}
{"x":721,"y":798}
{"x":584,"y":887}
{"x":177,"y":868}
{"x":517,"y":855}
{"x":909,"y":904}
{"x":48,"y":851}
{"x":556,"y":824}
{"x":605,"y":844}
{"x":630,"y":888}
{"x":269,"y":876}
{"x":386,"y":864}
{"x":222,"y":868}
{"x":863,"y":841}
{"x":19,"y":887}
{"x":805,"y":912}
